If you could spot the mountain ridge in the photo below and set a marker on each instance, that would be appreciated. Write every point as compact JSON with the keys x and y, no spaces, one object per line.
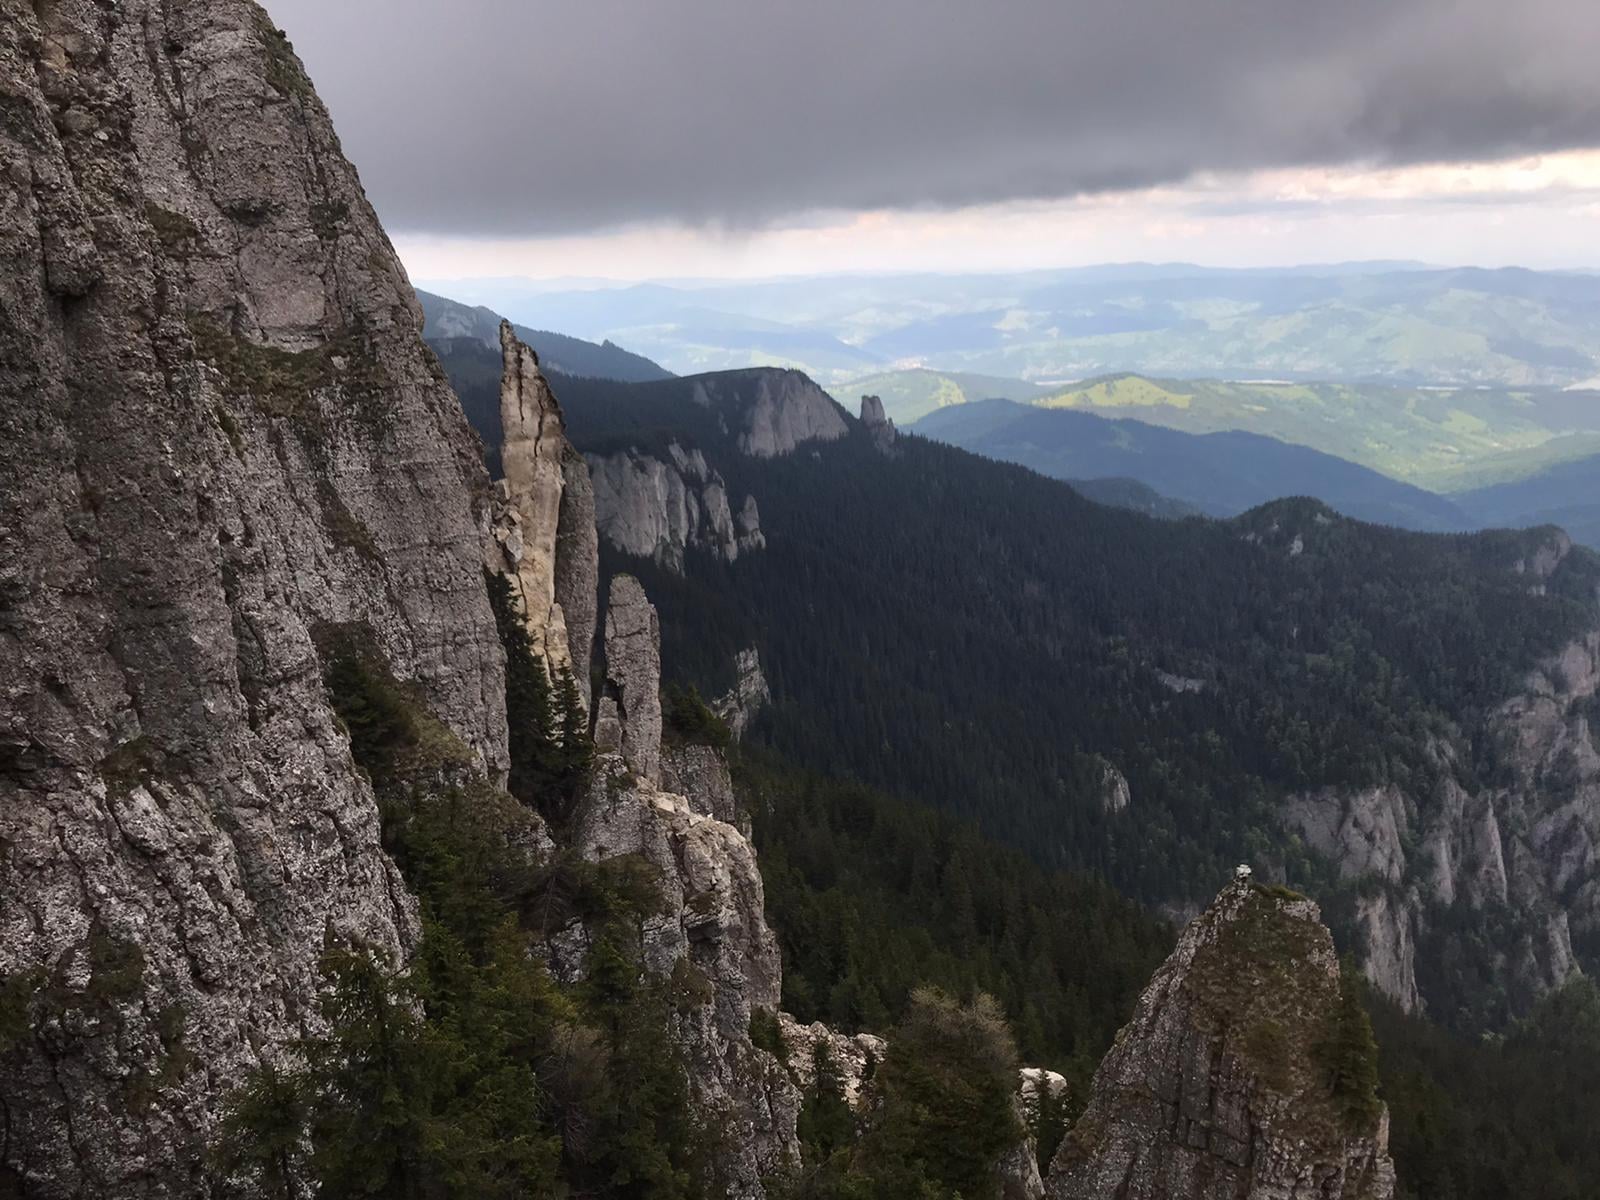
{"x":446,"y":320}
{"x":1223,"y":474}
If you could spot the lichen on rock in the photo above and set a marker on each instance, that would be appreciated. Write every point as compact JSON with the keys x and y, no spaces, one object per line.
{"x":1231,"y":1079}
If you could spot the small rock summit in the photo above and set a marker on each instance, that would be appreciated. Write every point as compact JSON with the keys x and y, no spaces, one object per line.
{"x":877,"y":422}
{"x":1246,"y":1072}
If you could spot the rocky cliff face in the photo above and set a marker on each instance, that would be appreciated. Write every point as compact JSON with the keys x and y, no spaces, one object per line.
{"x":709,"y":937}
{"x":658,"y":509}
{"x":1214,"y":1088}
{"x":220,"y":435}
{"x":223,"y":445}
{"x":877,"y":423}
{"x":748,"y":696}
{"x":1529,"y":844}
{"x":772,"y":412}
{"x":537,"y":509}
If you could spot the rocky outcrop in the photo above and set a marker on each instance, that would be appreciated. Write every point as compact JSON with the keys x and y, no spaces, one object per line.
{"x":1546,"y":557}
{"x":708,"y":936}
{"x":223,"y":445}
{"x":628,"y":716}
{"x":749,"y":694}
{"x":1213,"y":1089}
{"x":1115,"y":795}
{"x":1363,"y":834}
{"x":1361,"y":831}
{"x":700,"y":773}
{"x":1018,"y":1169}
{"x":773,"y":412}
{"x":877,"y":423}
{"x":578,"y":567}
{"x":220,"y":433}
{"x":659,"y":509}
{"x":533,"y":452}
{"x":855,"y":1057}
{"x":1530,"y":844}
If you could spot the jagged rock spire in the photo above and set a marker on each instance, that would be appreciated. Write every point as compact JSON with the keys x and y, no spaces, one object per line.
{"x":543,"y":527}
{"x":1221,"y":1085}
{"x":629,"y":716}
{"x":877,"y":422}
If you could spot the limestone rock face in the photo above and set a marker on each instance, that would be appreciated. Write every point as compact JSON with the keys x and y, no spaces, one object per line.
{"x":578,"y":566}
{"x":1018,"y":1170}
{"x":1212,"y":1089}
{"x":1531,"y":843}
{"x":1361,"y":831}
{"x":747,"y":527}
{"x":1115,"y":795}
{"x":748,"y":695}
{"x":674,"y":808}
{"x":628,"y":719}
{"x":877,"y":422}
{"x":700,"y":774}
{"x":854,"y":1056}
{"x":711,"y":941}
{"x":219,"y":433}
{"x":785,"y":412}
{"x":659,"y":509}
{"x":533,"y":452}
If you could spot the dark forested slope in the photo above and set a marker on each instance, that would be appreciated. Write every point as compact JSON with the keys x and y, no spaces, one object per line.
{"x":976,"y":636}
{"x":971,"y":632}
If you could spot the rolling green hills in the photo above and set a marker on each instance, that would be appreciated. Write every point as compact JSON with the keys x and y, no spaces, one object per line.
{"x":912,"y":394}
{"x":1444,"y":439}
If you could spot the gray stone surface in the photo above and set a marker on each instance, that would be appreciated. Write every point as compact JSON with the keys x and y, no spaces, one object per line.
{"x":1531,"y":842}
{"x":1115,"y":795}
{"x":854,"y":1056}
{"x":660,"y":508}
{"x":1211,"y":1091}
{"x":877,"y":422}
{"x":786,"y":411}
{"x":219,"y":429}
{"x":749,"y":694}
{"x":629,"y":706}
{"x":700,"y":774}
{"x":534,"y":452}
{"x":578,"y":567}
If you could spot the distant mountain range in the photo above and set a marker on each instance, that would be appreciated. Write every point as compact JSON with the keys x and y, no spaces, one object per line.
{"x":1443,"y":439}
{"x":1221,"y":474}
{"x":1379,"y":322}
{"x":1430,"y":458}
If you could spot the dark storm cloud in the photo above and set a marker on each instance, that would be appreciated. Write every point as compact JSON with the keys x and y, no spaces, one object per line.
{"x":539,"y":116}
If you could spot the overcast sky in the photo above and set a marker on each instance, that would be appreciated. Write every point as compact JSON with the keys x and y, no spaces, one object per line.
{"x":637,"y":138}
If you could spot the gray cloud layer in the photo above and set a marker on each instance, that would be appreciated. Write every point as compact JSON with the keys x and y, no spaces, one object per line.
{"x":540,"y":116}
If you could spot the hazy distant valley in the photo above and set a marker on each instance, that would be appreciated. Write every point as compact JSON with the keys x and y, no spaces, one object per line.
{"x":1481,"y":439}
{"x":1389,"y":323}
